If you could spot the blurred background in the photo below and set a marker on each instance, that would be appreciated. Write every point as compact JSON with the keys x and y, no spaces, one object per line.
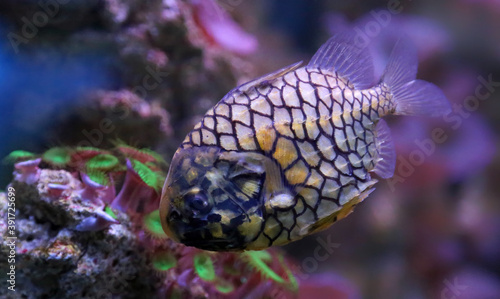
{"x":89,"y":72}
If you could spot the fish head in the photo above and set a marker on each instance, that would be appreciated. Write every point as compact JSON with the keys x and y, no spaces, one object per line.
{"x":212,"y":199}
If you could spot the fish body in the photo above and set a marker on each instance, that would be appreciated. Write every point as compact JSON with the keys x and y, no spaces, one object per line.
{"x":290,"y":153}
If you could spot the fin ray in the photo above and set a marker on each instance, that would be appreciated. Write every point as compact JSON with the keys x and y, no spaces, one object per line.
{"x":411,"y":96}
{"x":341,"y":54}
{"x":386,"y":161}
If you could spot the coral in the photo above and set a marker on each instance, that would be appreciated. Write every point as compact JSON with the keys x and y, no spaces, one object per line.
{"x":98,"y":187}
{"x":204,"y":266}
{"x":99,"y":221}
{"x":141,"y":190}
{"x":18,"y":156}
{"x":152,"y":224}
{"x":163,"y":261}
{"x":142,"y":155}
{"x":80,"y":155}
{"x":98,"y":170}
{"x":27,"y":171}
{"x":102,"y":162}
{"x":56,"y":196}
{"x":55,"y":259}
{"x":71,"y":239}
{"x":57,"y":156}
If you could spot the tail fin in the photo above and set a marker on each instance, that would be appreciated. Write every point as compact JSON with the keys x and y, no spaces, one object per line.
{"x":411,"y":96}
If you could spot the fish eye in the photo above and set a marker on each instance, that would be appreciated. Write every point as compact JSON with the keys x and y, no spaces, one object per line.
{"x":198,"y":203}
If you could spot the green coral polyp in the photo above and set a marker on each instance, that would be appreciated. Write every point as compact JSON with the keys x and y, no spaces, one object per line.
{"x":204,"y":266}
{"x":157,"y":158}
{"x":18,"y":155}
{"x":148,"y":176}
{"x":99,"y":177}
{"x":57,"y":156}
{"x":293,"y":284}
{"x":110,"y":212}
{"x":144,"y":155}
{"x":164,"y":261}
{"x":224,"y":287}
{"x":152,"y":223}
{"x":88,"y":149}
{"x":103,"y":162}
{"x":257,"y":260}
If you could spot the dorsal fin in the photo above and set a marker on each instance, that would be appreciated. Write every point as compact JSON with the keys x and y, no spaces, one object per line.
{"x":352,"y":60}
{"x":263,"y":79}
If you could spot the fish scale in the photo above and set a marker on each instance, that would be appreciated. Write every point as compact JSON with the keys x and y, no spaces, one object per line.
{"x":300,"y":145}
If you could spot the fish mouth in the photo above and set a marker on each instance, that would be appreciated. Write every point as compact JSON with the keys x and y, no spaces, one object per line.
{"x":197,"y":233}
{"x":214,"y":244}
{"x":166,"y":209}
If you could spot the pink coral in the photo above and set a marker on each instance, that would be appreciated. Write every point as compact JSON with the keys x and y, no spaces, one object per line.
{"x":56,"y":190}
{"x":95,"y":192}
{"x":27,"y":171}
{"x":136,"y":195}
{"x":99,"y":221}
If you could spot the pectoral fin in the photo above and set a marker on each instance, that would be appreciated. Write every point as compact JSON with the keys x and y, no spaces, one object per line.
{"x":386,"y":158}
